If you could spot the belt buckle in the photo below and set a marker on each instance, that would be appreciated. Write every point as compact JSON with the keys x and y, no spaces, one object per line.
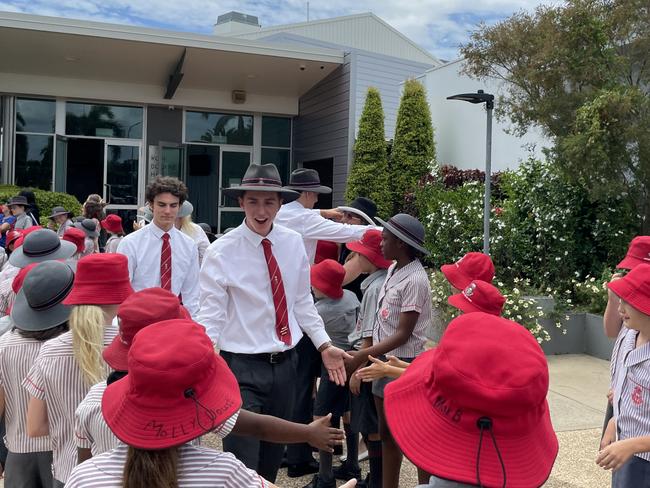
{"x":276,"y":357}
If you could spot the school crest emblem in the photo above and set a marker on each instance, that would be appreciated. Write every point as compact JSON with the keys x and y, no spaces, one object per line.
{"x":637,"y":395}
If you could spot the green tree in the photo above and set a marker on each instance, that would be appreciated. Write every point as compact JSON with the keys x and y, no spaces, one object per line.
{"x":413,"y":151}
{"x":369,"y":173}
{"x":566,"y":69}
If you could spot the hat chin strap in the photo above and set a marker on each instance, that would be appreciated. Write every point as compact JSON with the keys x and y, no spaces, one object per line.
{"x":211,"y":414}
{"x":486,"y":423}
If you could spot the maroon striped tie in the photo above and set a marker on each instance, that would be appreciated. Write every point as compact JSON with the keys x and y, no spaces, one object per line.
{"x":279,"y":298}
{"x":166,"y":263}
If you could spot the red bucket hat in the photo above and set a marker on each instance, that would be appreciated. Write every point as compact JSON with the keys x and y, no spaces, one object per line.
{"x":326,"y":250}
{"x":370,"y":247}
{"x":177,"y":388}
{"x":17,"y":283}
{"x":24,"y":233}
{"x":113,"y":224}
{"x":138,"y":311}
{"x":327,"y":277}
{"x":634,"y":288}
{"x":472,"y":266}
{"x":637,"y":253}
{"x":12,"y":237}
{"x":455,"y":403}
{"x":101,"y":279}
{"x":76,"y":236}
{"x":479,"y":296}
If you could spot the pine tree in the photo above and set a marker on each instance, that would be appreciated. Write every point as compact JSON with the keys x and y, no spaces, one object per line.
{"x":413,"y":151}
{"x":369,"y":173}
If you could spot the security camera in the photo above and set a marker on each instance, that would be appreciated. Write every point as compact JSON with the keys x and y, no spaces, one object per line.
{"x":303,"y":67}
{"x":170,"y":107}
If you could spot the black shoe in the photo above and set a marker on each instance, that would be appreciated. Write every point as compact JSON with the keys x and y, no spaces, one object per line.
{"x":316,"y":482}
{"x":301,"y":469}
{"x":344,"y":473}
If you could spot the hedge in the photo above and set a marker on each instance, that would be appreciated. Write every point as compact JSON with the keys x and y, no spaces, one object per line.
{"x":45,"y":200}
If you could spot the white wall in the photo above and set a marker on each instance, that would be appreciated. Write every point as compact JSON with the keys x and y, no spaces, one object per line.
{"x":460,"y":126}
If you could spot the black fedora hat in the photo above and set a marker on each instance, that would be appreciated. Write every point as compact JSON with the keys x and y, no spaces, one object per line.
{"x":56,"y":211}
{"x":363,"y":207}
{"x":408,"y":229}
{"x":41,"y":245}
{"x":38,"y":305}
{"x":88,"y":226}
{"x":305,"y":179}
{"x":261,"y":177}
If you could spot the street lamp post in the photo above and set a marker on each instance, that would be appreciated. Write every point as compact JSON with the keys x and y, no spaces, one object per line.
{"x":488,"y":99}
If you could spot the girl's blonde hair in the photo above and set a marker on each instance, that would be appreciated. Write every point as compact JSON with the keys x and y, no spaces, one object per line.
{"x":87,"y":327}
{"x":186,"y":226}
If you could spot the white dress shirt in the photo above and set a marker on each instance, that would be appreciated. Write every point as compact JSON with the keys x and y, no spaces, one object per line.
{"x":143,"y":247}
{"x":236,"y":299}
{"x":313,"y":227}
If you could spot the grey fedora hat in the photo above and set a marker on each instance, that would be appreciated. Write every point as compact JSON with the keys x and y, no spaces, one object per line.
{"x":56,"y":211}
{"x":88,"y":226}
{"x":305,"y":179}
{"x":408,"y":229}
{"x":41,"y":245}
{"x":264,"y":177}
{"x":18,"y":200}
{"x":186,"y":209}
{"x":38,"y":303}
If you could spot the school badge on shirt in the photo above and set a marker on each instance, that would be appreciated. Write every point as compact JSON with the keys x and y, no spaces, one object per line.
{"x":637,"y":395}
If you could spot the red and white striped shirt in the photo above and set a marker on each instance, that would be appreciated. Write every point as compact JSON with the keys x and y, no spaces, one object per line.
{"x":198,"y":467}
{"x":17,"y":355}
{"x":92,"y":432}
{"x":57,"y":379}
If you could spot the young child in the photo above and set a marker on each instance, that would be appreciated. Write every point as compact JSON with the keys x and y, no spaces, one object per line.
{"x":339,"y":309}
{"x":464,"y":414}
{"x":177,"y":390}
{"x":78,"y":238}
{"x":403,"y":316}
{"x":29,"y":459}
{"x":68,"y":365}
{"x":60,"y":220}
{"x":91,"y":243}
{"x":625,"y":447}
{"x":113,"y":225}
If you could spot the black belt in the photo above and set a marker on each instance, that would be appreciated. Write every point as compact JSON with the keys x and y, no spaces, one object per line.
{"x":267,"y":357}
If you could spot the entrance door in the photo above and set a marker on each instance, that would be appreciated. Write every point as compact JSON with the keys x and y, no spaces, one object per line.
{"x":123,"y":178}
{"x":234,"y":163}
{"x":202,"y":181}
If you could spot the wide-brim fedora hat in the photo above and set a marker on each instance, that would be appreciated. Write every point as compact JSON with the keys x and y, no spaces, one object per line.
{"x":408,"y":229}
{"x":39,"y":302}
{"x":177,"y":388}
{"x":363,"y":207}
{"x":89,"y":226}
{"x":307,"y":179}
{"x":18,"y":200}
{"x":262,"y":177}
{"x":41,"y":245}
{"x":56,"y":211}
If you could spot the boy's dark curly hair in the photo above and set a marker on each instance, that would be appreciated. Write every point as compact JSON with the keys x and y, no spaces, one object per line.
{"x":166,"y":184}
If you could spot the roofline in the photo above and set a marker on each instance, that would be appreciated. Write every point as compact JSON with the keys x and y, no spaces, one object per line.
{"x":159,"y":36}
{"x":444,"y":65}
{"x":336,"y":19}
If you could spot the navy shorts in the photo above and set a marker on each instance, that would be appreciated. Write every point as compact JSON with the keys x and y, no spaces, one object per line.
{"x":633,"y":474}
{"x":363,"y":412}
{"x":330,"y":397}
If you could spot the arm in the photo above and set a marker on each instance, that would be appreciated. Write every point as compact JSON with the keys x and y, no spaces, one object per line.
{"x":83,"y":454}
{"x":37,"y":421}
{"x":2,"y":401}
{"x":319,"y":228}
{"x":618,"y":453}
{"x":213,"y":296}
{"x":352,"y":269}
{"x":191,"y":289}
{"x":318,"y":434}
{"x":611,"y":318}
{"x":380,"y":369}
{"x":125,"y":247}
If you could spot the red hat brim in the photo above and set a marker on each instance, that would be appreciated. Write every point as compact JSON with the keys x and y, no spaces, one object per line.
{"x":326,"y":287}
{"x":457,"y":279}
{"x":112,"y":227}
{"x":630,"y":262}
{"x":629,"y":294}
{"x":438,"y":446}
{"x":99,"y":294}
{"x":461,"y":303}
{"x":375,"y":258}
{"x":149,"y":425}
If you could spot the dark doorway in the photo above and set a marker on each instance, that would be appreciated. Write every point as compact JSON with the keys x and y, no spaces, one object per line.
{"x":325,"y":168}
{"x":85,"y":167}
{"x":203,"y":182}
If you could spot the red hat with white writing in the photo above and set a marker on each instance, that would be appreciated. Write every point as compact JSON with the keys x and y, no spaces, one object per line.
{"x":637,"y":253}
{"x":472,"y":266}
{"x":479,"y":296}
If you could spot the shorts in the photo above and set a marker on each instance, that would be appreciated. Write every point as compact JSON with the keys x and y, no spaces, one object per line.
{"x":634,"y":473}
{"x":330,"y":397}
{"x":363,"y":412}
{"x":379,"y":385}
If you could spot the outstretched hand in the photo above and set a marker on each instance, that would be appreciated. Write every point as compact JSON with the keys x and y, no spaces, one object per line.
{"x":333,"y":360}
{"x":323,"y":436}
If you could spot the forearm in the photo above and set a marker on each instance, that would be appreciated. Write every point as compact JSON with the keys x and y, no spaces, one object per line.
{"x":398,"y":339}
{"x":639,"y":444}
{"x":270,"y":429}
{"x":83,"y":454}
{"x":612,"y":319}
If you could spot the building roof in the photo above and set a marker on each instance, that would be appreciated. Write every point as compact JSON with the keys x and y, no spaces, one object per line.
{"x":363,"y":31}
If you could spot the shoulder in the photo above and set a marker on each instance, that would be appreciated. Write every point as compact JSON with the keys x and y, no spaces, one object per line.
{"x":350,"y":299}
{"x":135,"y":236}
{"x":287,"y":234}
{"x":184,"y":239}
{"x":57,"y":346}
{"x":106,"y":467}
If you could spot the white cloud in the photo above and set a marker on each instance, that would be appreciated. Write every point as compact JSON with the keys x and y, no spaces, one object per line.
{"x":438,"y":26}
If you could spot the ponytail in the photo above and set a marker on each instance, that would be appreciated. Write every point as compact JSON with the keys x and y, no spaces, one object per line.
{"x":144,"y":469}
{"x":87,"y":327}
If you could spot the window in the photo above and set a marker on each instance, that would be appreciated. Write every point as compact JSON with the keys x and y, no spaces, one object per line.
{"x":111,"y":121}
{"x":35,"y":115}
{"x":217,"y":128}
{"x":35,"y":121}
{"x":276,"y":144}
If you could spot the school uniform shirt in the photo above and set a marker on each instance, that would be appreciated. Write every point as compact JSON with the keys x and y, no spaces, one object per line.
{"x":17,"y":355}
{"x":112,"y":243}
{"x":23,"y":221}
{"x":143,"y":248}
{"x":63,"y":227}
{"x":7,"y":294}
{"x":631,"y":386}
{"x":236,"y":300}
{"x":339,"y":316}
{"x":197,"y":467}
{"x":370,"y":288}
{"x":10,"y":220}
{"x":313,"y":227}
{"x":199,"y":236}
{"x":89,"y":247}
{"x":56,"y":379}
{"x":405,"y":290}
{"x":92,"y":431}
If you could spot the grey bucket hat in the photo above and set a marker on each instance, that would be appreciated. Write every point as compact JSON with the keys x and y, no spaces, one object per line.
{"x":306,"y":179}
{"x":408,"y":229}
{"x":186,"y":209}
{"x":41,"y":245}
{"x":88,"y":226}
{"x":263,"y":177}
{"x":38,"y":303}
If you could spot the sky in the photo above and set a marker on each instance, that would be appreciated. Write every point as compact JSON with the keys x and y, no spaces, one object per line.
{"x":439,"y":26}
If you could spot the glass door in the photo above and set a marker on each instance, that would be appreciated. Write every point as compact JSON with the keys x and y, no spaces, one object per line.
{"x":233,"y":165}
{"x":123,"y":178}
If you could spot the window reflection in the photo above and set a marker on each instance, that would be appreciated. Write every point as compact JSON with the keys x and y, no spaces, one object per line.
{"x":34,"y":161}
{"x":86,"y":119}
{"x":35,"y":115}
{"x":276,"y":131}
{"x":219,"y":128}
